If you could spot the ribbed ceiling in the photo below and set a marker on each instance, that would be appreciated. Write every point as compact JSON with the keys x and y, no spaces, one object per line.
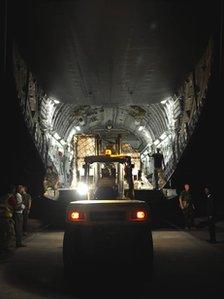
{"x":111,"y":121}
{"x":108,"y":52}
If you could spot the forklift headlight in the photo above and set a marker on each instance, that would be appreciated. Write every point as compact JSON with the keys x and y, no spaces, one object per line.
{"x":82,"y":188}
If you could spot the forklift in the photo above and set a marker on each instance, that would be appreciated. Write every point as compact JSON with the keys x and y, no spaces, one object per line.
{"x":108,"y":223}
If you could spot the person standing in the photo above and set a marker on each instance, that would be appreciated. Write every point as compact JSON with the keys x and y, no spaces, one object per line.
{"x":210,"y":212}
{"x":187,"y":207}
{"x":158,"y":170}
{"x":7,"y":232}
{"x":18,"y":216}
{"x":27,"y":201}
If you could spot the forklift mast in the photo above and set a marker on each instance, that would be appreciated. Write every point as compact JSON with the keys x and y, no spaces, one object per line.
{"x":109,"y":158}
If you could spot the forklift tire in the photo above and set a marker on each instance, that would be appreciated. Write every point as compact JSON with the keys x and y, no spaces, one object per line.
{"x":71,"y":254}
{"x":144,"y":257}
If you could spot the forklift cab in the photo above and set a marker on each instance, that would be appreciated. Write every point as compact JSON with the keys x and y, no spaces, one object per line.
{"x":112,"y":177}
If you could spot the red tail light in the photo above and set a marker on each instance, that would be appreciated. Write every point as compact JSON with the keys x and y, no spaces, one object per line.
{"x":139,"y":215}
{"x":76,"y":216}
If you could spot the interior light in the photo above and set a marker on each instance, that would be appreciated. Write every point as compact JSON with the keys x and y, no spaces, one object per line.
{"x":140,"y":128}
{"x":56,"y":136}
{"x":147,"y":135}
{"x":62,"y":142}
{"x":156,"y":142}
{"x":56,"y":101}
{"x":163,"y":102}
{"x":71,"y":134}
{"x":163,"y":136}
{"x":166,"y":100}
{"x":78,"y":128}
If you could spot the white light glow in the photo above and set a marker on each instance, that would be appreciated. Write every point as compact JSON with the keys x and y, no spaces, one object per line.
{"x":56,"y":101}
{"x":53,"y":142}
{"x":170,"y":113}
{"x":140,"y":128}
{"x":156,"y":142}
{"x":163,"y":136}
{"x":166,"y":100}
{"x":71,"y":134}
{"x":163,"y":102}
{"x":78,"y":128}
{"x":62,"y":142}
{"x":56,"y":136}
{"x":82,"y":188}
{"x":147,"y":135}
{"x":50,"y":108}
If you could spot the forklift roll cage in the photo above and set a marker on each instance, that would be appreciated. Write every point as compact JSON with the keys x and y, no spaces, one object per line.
{"x":112,"y":159}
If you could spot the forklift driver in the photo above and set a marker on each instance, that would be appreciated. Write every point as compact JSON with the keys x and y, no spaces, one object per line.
{"x":106,"y":180}
{"x":106,"y":186}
